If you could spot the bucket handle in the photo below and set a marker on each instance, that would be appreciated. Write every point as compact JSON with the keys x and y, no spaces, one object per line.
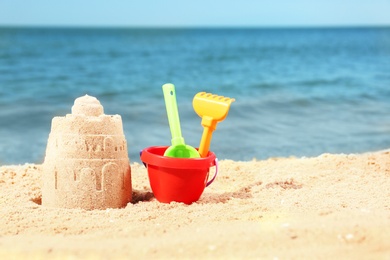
{"x":215,"y":174}
{"x":140,"y":154}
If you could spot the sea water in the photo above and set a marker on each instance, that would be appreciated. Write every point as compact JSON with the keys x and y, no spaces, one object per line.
{"x":299,"y":92}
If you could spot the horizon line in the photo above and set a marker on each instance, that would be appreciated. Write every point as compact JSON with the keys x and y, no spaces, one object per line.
{"x":324,"y":26}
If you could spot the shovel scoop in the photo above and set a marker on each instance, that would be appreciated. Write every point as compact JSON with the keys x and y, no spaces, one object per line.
{"x":212,"y":109}
{"x":178,"y":149}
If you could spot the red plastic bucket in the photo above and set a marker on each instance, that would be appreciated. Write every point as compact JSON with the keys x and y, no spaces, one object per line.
{"x":177,"y":179}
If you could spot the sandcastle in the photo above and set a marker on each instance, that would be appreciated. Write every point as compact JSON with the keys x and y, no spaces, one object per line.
{"x":86,"y":164}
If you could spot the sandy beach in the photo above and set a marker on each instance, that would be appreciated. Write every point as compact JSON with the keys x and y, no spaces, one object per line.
{"x":331,"y":206}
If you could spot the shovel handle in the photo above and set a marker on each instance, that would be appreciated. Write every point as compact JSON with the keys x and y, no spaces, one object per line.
{"x":172,"y":113}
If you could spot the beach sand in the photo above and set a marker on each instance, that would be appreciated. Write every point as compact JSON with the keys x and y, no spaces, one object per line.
{"x":331,"y":206}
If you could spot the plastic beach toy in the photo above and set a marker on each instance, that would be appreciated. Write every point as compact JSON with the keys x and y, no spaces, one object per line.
{"x":178,"y":149}
{"x":177,"y":179}
{"x":212,"y":109}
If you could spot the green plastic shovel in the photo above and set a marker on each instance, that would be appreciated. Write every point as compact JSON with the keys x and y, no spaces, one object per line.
{"x":178,"y":149}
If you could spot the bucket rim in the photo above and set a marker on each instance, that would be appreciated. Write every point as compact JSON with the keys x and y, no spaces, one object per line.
{"x":154,"y":155}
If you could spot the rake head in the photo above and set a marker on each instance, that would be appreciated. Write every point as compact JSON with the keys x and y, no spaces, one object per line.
{"x":211,"y":105}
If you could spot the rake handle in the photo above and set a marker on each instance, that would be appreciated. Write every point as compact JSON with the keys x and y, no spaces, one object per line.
{"x":209,"y":125}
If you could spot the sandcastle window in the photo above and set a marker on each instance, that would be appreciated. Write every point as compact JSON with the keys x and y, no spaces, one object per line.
{"x":55,"y":179}
{"x":72,"y":172}
{"x":108,"y":143}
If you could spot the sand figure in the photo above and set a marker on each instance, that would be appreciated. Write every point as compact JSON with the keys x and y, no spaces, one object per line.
{"x":86,"y":164}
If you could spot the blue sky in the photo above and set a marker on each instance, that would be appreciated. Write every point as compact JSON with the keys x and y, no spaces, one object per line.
{"x":182,"y":13}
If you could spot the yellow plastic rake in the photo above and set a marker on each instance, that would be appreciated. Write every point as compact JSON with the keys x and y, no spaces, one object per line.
{"x":212,"y":109}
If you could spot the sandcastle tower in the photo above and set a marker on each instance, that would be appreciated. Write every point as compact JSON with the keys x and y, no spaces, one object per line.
{"x":86,"y":164}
